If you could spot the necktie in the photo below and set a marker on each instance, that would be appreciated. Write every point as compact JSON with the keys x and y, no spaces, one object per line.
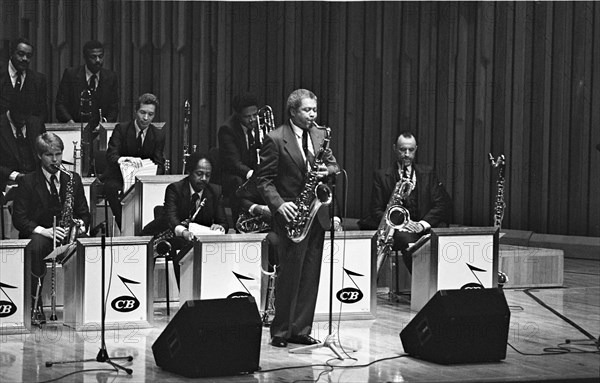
{"x":53,"y":190}
{"x":250,"y":138}
{"x":404,"y":172}
{"x":193,"y":204}
{"x":18,"y":82}
{"x":92,"y":84}
{"x":140,"y":142}
{"x":309,"y":156}
{"x":20,"y":134}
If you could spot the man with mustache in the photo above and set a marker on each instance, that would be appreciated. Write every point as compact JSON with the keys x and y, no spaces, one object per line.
{"x":287,"y":154}
{"x":19,"y":82}
{"x":103,"y":85}
{"x":429,"y":204}
{"x":193,"y":199}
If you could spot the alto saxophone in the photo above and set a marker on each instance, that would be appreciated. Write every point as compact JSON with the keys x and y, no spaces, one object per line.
{"x":161,"y":245}
{"x":314,"y":194}
{"x":396,"y":217}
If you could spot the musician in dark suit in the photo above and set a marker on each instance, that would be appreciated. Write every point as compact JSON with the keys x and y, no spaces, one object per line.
{"x":19,"y":82}
{"x":193,"y":199}
{"x":103,"y":85}
{"x":42,"y":195}
{"x":133,"y":142}
{"x":286,"y":155}
{"x":237,"y":147}
{"x":429,"y":204}
{"x":18,"y":131}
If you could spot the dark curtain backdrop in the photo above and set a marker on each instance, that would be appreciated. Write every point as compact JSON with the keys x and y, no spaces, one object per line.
{"x":520,"y":79}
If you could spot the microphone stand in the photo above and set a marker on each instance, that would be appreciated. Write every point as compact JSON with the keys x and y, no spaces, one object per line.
{"x":102,"y":356}
{"x":330,"y":338}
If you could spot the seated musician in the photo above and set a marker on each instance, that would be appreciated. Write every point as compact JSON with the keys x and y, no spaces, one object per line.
{"x":133,"y":142}
{"x":428,"y":203}
{"x":43,"y":195}
{"x":18,"y":131}
{"x":193,"y":199}
{"x":237,"y":147}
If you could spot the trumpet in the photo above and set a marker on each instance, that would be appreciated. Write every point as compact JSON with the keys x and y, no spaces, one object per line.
{"x":265,"y":123}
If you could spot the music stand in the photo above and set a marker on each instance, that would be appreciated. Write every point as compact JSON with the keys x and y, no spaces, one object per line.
{"x":329,"y":341}
{"x":102,"y":356}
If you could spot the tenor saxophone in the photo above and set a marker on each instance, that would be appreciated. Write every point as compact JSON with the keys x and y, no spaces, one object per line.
{"x":314,"y":194}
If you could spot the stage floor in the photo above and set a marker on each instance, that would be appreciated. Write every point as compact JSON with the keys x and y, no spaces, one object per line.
{"x":532,"y":329}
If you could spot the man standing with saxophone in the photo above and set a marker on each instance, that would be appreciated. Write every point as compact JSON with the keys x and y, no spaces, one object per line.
{"x":42,"y":195}
{"x":287,"y":156}
{"x":428,"y":204}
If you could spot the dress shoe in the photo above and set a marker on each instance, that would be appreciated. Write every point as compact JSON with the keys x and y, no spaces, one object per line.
{"x":303,"y":339}
{"x":278,"y":341}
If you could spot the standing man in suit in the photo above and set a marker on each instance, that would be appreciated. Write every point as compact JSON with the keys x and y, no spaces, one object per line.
{"x":103,"y":85}
{"x":18,"y":82}
{"x":286,"y":156}
{"x":42,"y":195}
{"x":237,"y":147}
{"x":193,"y":199}
{"x":18,"y":132}
{"x":429,"y":204}
{"x":133,"y":142}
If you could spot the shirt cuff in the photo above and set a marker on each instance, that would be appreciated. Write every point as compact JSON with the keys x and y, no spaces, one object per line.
{"x":179,"y":230}
{"x":121,"y":160}
{"x":249,"y":174}
{"x":38,"y":230}
{"x":13,"y":176}
{"x":337,"y":220}
{"x":426,"y":225}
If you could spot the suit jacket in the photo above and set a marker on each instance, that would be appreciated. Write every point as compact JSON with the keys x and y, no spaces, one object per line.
{"x":236,"y":158}
{"x":282,"y":172}
{"x":73,"y":82}
{"x":32,"y":94}
{"x":32,"y":204}
{"x":178,"y":204}
{"x":123,"y":142}
{"x":434,"y":203}
{"x":9,"y":158}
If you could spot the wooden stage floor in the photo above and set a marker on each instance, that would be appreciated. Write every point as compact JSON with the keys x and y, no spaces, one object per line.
{"x":532,"y":329}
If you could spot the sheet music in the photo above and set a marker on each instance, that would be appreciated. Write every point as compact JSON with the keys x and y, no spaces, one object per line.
{"x":129,"y":172}
{"x":197,"y":229}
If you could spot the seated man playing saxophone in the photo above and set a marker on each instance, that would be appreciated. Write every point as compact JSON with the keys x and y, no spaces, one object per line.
{"x":43,"y":195}
{"x":193,"y":199}
{"x":427,"y":203}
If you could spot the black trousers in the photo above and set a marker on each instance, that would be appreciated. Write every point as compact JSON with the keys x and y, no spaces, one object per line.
{"x":36,"y":250}
{"x":297,"y":282}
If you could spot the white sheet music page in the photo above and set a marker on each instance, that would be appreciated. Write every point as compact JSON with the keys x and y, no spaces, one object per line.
{"x":197,"y":229}
{"x":129,"y":172}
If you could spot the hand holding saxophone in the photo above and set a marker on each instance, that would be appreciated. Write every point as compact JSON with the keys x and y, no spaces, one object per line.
{"x":322,"y":171}
{"x":413,"y":227}
{"x":288,"y":210}
{"x":61,"y":232}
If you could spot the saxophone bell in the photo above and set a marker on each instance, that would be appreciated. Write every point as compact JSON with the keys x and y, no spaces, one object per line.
{"x":162,"y":248}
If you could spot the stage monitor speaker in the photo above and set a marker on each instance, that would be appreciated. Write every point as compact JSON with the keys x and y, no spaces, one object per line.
{"x":213,"y":337}
{"x":460,"y":326}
